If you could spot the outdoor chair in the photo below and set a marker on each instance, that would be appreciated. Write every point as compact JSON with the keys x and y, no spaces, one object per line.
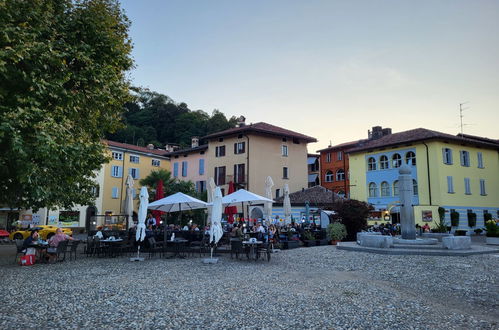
{"x":199,"y":246}
{"x":19,"y":249}
{"x":60,"y":250}
{"x":264,"y":251}
{"x":73,"y":248}
{"x":154,"y":247}
{"x":89,"y":248}
{"x":236,"y":247}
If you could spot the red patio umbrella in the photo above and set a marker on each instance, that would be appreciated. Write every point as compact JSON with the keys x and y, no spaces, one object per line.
{"x":159,"y":195}
{"x":230,"y":210}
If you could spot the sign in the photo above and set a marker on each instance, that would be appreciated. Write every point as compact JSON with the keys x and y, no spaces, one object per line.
{"x":69,"y":219}
{"x":26,"y":219}
{"x":427,"y":215}
{"x":53,"y":221}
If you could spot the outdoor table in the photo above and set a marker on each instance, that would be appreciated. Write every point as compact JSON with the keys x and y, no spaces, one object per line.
{"x":39,"y":248}
{"x":252,"y":248}
{"x":179,"y":245}
{"x":112,"y":246}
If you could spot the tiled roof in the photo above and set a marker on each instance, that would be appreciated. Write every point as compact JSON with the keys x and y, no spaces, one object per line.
{"x":418,"y":134}
{"x":127,"y":146}
{"x":479,"y":138}
{"x":263,"y":128}
{"x":316,"y":195}
{"x":343,"y":145}
{"x":188,"y":150}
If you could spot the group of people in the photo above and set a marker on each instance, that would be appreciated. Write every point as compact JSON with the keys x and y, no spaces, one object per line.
{"x":387,"y":228}
{"x":50,"y":252}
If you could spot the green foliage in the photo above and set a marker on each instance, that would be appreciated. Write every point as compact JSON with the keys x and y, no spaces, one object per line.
{"x":492,"y":228}
{"x":472,"y":219}
{"x":308,"y":236}
{"x":441,"y":213}
{"x":454,"y":219}
{"x":62,"y":87}
{"x":336,"y":231}
{"x":155,"y":118}
{"x":353,"y":215}
{"x":487,"y":216}
{"x":441,"y":225}
{"x":170,"y":184}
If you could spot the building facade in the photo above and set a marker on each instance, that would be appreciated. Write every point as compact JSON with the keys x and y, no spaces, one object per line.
{"x":189,"y":164}
{"x":457,"y":173}
{"x":313,"y":167}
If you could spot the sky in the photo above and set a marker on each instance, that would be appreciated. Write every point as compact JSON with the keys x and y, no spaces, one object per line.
{"x":327,"y":69}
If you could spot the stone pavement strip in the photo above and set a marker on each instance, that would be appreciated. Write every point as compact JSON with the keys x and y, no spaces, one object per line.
{"x":318,"y":287}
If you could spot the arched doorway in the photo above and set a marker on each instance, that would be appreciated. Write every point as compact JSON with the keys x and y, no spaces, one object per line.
{"x":256,"y":213}
{"x":91,"y":212}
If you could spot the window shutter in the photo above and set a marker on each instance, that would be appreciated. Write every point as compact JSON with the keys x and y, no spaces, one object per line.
{"x":115,"y":192}
{"x":175,"y":170}
{"x":137,"y":171}
{"x":201,"y":166}
{"x":197,"y":186}
{"x":120,"y":171}
{"x":444,"y":156}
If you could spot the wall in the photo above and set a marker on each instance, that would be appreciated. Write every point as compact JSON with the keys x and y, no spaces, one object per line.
{"x":192,"y":160}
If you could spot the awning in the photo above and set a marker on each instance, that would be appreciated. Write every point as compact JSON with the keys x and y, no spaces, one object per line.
{"x":312,"y":177}
{"x":311,"y":160}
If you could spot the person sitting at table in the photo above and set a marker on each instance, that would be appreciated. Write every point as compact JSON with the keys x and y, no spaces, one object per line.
{"x":33,"y":237}
{"x":59,"y":237}
{"x":195,"y":227}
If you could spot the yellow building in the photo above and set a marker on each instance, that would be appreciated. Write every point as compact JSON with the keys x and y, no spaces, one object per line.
{"x":248,"y":154}
{"x":459,"y":173}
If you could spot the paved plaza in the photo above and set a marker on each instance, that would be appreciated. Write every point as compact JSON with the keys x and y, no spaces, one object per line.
{"x":319,"y":287}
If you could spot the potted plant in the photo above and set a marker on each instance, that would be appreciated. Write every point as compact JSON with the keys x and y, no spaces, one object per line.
{"x":336,"y":232}
{"x":471,"y":219}
{"x":309,"y":239}
{"x":454,"y":219}
{"x":440,"y":226}
{"x":492,"y":232}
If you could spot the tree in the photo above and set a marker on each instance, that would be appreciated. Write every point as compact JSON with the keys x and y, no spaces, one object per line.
{"x":170,"y":185}
{"x":62,"y":87}
{"x":353,"y":215}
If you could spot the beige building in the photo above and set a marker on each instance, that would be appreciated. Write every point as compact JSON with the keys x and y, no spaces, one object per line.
{"x":247,"y":154}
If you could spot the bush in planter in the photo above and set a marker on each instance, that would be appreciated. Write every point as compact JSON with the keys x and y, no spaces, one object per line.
{"x":336,"y":231}
{"x":472,"y":219}
{"x":454,"y":219}
{"x":309,"y":238}
{"x":487,"y":216}
{"x":492,"y":229}
{"x":440,"y":226}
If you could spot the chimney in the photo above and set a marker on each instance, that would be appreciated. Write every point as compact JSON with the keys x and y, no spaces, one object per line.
{"x":150,"y":146}
{"x":241,"y":121}
{"x":194,"y":142}
{"x":376,"y":133}
{"x":387,"y":131}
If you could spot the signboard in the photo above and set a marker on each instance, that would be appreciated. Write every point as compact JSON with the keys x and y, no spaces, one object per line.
{"x":427,"y":215}
{"x":26,"y":219}
{"x":53,"y":221}
{"x":69,"y":219}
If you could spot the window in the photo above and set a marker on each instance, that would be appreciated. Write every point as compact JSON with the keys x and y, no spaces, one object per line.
{"x":175,"y":170}
{"x":239,"y":147}
{"x":339,"y":155}
{"x":117,"y":155}
{"x":480,"y":159}
{"x":116,"y":171}
{"x":383,"y":163}
{"x":220,"y":175}
{"x":328,"y":157}
{"x":220,"y":151}
{"x":482,"y":187}
{"x":200,"y":186}
{"x":371,"y":164}
{"x":447,"y":156}
{"x":385,"y":189}
{"x":396,"y":188}
{"x":329,"y":176}
{"x":239,"y":173}
{"x":284,"y":151}
{"x":467,"y":186}
{"x":134,"y":172}
{"x":465,"y":158}
{"x":373,"y":190}
{"x":410,"y":158}
{"x":396,"y":161}
{"x":95,"y":191}
{"x":115,"y":192}
{"x":155,"y":162}
{"x":277,"y":193}
{"x":285,"y":173}
{"x":134,"y":159}
{"x":450,"y":185}
{"x":340,"y":175}
{"x":414,"y":187}
{"x":184,"y":169}
{"x":201,"y":166}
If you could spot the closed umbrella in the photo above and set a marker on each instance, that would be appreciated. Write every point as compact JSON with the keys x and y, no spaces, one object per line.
{"x":210,"y":192}
{"x":287,"y":204}
{"x":129,"y":200}
{"x":141,"y":225}
{"x":230,"y":210}
{"x":159,"y":195}
{"x":216,"y":231}
{"x":268,"y":193}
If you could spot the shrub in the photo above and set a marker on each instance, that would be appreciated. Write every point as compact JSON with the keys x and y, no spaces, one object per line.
{"x":441,"y":213}
{"x":353,"y":215}
{"x":492,"y":229}
{"x":472,"y":219}
{"x":454,"y":219}
{"x":487,"y":216}
{"x":336,"y":231}
{"x":440,"y":226}
{"x":308,"y":236}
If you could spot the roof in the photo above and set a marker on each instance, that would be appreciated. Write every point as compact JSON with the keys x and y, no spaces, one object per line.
{"x":316,"y":195}
{"x":345,"y":145}
{"x":474,"y":137}
{"x":126,"y":146}
{"x":188,"y":150}
{"x":262,"y":128}
{"x":417,"y":135}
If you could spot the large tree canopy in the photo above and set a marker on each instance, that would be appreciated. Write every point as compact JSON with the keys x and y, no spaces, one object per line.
{"x":63,"y":84}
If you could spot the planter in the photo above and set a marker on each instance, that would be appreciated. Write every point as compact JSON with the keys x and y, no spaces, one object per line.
{"x":333,"y":242}
{"x":323,"y":241}
{"x":309,"y":243}
{"x":290,"y":245}
{"x":492,"y":240}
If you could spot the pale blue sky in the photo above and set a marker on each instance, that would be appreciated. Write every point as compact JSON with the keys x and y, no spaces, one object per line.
{"x":329,"y":69}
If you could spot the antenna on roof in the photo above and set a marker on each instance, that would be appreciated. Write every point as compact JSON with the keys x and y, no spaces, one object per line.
{"x":461,"y":109}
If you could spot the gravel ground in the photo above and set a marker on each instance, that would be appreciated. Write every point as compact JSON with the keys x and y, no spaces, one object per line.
{"x":318,"y":287}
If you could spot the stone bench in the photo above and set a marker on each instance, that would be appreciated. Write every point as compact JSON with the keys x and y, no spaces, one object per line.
{"x":376,"y":241}
{"x":456,"y":242}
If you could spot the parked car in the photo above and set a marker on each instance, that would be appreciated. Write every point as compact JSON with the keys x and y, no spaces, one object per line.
{"x":4,"y":233}
{"x":45,"y":232}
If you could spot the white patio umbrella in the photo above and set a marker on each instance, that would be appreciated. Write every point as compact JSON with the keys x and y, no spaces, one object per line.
{"x":211,"y":194}
{"x":244,"y":196}
{"x":268,"y":206}
{"x":177,"y":202}
{"x":128,"y":209}
{"x":287,"y":204}
{"x":141,"y":226}
{"x":216,"y":231}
